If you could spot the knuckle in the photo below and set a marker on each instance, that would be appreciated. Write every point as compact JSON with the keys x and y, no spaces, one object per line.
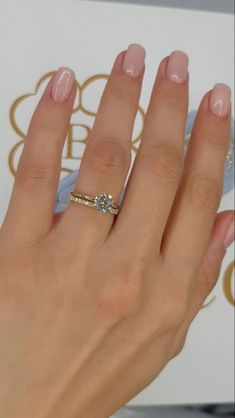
{"x":136,"y":271}
{"x":164,"y":161}
{"x":107,"y":156}
{"x":205,"y":194}
{"x":173,"y":103}
{"x":173,"y":315}
{"x":124,"y":94}
{"x":44,"y":125}
{"x":215,"y":136}
{"x":179,"y":346}
{"x":118,"y":303}
{"x":217,"y":141}
{"x":207,"y":282}
{"x":33,"y":173}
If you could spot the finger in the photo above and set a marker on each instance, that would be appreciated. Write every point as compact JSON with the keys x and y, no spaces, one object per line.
{"x":107,"y":156}
{"x":222,"y":236}
{"x":157,"y":168}
{"x":193,"y":214}
{"x":33,"y":196}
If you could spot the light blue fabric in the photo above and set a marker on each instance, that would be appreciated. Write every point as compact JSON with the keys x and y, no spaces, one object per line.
{"x":68,"y":182}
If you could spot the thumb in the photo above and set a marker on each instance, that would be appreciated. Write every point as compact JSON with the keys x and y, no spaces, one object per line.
{"x":222,"y":235}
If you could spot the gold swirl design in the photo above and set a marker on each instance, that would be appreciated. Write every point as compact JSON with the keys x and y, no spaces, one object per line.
{"x":81,"y":87}
{"x":227,"y":283}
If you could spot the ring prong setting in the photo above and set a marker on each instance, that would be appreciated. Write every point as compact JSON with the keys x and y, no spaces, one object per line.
{"x":103,"y":202}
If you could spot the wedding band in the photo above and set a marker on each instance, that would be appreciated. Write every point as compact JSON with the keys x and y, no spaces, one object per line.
{"x":103,"y":202}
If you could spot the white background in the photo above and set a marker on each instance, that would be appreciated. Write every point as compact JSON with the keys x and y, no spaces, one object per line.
{"x":38,"y":37}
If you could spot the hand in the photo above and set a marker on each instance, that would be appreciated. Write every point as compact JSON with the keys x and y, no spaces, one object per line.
{"x":93,"y":305}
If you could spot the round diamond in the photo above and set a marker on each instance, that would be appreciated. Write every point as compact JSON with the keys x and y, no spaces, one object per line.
{"x":103,"y":202}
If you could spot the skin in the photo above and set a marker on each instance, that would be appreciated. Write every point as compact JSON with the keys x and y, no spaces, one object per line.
{"x":93,"y":306}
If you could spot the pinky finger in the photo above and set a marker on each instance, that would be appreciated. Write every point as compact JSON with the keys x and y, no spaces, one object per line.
{"x":222,"y":236}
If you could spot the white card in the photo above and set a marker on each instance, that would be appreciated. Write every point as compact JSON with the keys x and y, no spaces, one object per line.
{"x":38,"y":37}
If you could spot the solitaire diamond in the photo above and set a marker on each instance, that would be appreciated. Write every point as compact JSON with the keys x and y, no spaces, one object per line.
{"x":103,"y":202}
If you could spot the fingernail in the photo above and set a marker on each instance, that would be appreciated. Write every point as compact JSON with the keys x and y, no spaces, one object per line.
{"x":62,"y":84}
{"x":229,"y":236}
{"x":220,"y":100}
{"x":177,"y":68}
{"x":133,"y":62}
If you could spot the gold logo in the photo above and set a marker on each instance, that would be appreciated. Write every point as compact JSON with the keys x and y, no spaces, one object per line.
{"x":82,"y":129}
{"x":227,"y":283}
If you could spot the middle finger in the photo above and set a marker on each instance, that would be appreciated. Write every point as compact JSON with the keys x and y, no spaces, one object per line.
{"x":156,"y":172}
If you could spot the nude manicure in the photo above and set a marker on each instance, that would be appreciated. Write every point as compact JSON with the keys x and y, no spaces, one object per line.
{"x":62,"y":84}
{"x":177,"y":68}
{"x":229,"y":237}
{"x":133,"y":63}
{"x":220,"y":100}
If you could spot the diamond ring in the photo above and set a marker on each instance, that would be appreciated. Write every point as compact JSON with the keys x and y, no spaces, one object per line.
{"x":103,"y":202}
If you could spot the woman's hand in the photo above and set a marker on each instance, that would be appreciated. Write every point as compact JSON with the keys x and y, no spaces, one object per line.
{"x":93,"y":306}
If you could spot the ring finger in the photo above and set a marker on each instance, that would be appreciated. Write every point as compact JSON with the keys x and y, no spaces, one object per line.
{"x":107,"y":156}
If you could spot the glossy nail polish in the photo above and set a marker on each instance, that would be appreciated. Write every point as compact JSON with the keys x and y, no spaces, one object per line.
{"x":133,"y":62}
{"x":62,"y":84}
{"x":220,"y":100}
{"x":177,"y":67}
{"x":229,"y":236}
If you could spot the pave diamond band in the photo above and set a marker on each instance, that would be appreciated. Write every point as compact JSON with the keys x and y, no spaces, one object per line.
{"x":103,"y":202}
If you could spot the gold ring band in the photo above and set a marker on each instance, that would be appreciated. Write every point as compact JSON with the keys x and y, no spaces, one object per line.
{"x":103,"y":202}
